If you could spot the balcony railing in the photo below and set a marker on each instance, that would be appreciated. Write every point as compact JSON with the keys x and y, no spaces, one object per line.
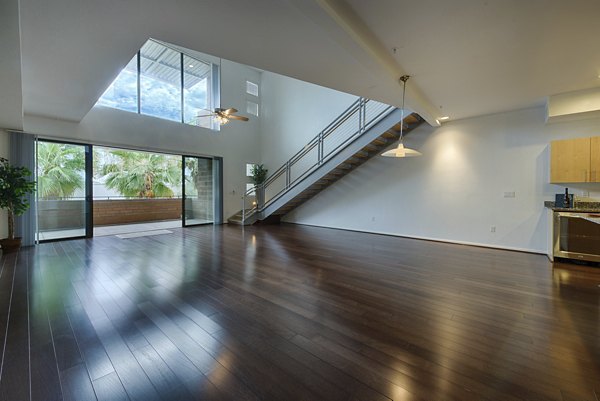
{"x":69,"y":212}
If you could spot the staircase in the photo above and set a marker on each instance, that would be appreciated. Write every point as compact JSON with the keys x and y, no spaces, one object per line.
{"x":363,"y":131}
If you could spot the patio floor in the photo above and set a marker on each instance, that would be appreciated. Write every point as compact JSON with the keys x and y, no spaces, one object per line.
{"x":117,"y":229}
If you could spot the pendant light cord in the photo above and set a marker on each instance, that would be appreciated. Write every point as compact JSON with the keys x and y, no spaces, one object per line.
{"x":403,"y":78}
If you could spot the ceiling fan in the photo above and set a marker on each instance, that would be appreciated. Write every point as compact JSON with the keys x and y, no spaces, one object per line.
{"x":223,"y":116}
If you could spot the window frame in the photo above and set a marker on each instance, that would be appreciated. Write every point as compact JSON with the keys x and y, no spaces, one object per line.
{"x":213,"y":87}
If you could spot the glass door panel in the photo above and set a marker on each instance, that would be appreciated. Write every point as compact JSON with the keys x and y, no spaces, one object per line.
{"x":580,"y":234}
{"x":198,"y":191}
{"x":62,"y":195}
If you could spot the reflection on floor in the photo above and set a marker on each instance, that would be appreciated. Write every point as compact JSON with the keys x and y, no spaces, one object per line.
{"x":56,"y":234}
{"x":118,"y":229}
{"x":144,"y":234}
{"x":286,"y":312}
{"x":134,"y":228}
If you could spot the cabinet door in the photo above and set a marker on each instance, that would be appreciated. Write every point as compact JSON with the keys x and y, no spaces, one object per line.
{"x":570,"y":160}
{"x":595,"y":159}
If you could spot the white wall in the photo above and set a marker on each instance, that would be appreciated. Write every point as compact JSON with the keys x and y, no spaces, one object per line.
{"x":4,"y":152}
{"x":237,"y":142}
{"x":292,"y":113}
{"x":455,"y":191}
{"x":11,"y":98}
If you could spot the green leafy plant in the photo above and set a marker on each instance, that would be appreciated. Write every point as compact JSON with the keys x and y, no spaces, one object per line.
{"x":14,"y":187}
{"x":60,"y":170}
{"x":259,"y":174}
{"x":141,"y":174}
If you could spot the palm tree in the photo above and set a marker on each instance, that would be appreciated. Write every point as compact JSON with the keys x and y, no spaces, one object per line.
{"x":141,"y":174}
{"x":60,"y":170}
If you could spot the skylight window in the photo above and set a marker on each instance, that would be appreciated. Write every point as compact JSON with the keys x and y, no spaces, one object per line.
{"x":160,"y":81}
{"x":122,"y":93}
{"x":165,"y":83}
{"x":197,"y":79}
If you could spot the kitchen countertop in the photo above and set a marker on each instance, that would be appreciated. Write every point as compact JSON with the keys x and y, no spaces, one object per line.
{"x":582,"y":207}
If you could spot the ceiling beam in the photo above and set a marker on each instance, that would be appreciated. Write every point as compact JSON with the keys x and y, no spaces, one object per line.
{"x":372,"y":53}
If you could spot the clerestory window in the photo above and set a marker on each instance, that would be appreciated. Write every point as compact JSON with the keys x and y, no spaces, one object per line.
{"x":163,"y":82}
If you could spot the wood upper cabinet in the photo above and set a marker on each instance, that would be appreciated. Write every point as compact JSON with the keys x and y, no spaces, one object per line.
{"x":595,"y":159}
{"x":571,"y":160}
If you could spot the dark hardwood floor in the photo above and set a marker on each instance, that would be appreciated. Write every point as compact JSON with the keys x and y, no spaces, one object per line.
{"x":294,"y":313}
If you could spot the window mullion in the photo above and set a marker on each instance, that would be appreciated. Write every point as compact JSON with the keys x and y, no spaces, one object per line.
{"x":182,"y":83}
{"x":139,"y":71}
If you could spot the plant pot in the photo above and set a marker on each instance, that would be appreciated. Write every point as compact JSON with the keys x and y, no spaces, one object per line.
{"x":10,"y":245}
{"x":260,"y":198}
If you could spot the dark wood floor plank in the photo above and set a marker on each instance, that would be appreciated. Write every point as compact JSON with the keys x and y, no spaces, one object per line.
{"x":76,"y":384}
{"x":44,"y":368}
{"x":291,"y":312}
{"x":109,"y":388}
{"x":93,"y":353}
{"x":14,"y":381}
{"x":136,"y":383}
{"x":195,"y":381}
{"x":194,"y":352}
{"x":7,"y":271}
{"x":163,"y":378}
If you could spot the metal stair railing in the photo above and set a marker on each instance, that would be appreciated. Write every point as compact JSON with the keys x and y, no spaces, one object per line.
{"x":343,"y":130}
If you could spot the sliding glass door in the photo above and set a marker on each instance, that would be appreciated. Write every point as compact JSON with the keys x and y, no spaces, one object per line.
{"x":133,"y":190}
{"x":64,"y":190}
{"x":198,"y":191}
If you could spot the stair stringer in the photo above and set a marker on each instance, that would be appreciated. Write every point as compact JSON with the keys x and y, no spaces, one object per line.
{"x":350,"y":149}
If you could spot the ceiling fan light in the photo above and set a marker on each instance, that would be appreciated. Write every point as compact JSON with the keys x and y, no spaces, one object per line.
{"x":221,"y":119}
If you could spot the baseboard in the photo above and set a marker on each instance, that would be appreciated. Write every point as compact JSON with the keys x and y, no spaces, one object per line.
{"x":447,"y":241}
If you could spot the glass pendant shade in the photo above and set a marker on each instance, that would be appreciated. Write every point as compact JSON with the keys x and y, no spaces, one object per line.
{"x":401,"y":151}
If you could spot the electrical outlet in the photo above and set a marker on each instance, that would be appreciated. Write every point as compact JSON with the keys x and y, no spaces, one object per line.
{"x":509,"y":194}
{"x":493,"y":229}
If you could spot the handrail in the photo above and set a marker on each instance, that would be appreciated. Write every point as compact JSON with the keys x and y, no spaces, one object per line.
{"x":357,"y":110}
{"x":346,"y":114}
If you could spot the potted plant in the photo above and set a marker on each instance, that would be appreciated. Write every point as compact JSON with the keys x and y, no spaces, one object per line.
{"x":14,"y":188}
{"x":259,"y":175}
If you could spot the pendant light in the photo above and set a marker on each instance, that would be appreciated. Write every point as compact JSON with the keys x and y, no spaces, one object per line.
{"x":400,"y":150}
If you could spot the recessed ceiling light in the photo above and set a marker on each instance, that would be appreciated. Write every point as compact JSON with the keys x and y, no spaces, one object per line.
{"x":444,"y":118}
{"x":191,"y":65}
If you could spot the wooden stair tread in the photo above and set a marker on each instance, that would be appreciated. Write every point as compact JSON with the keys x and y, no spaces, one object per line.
{"x":411,"y":119}
{"x":379,"y":141}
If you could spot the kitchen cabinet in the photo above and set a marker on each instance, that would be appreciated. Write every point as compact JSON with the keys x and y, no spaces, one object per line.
{"x":570,"y":160}
{"x":595,"y":159}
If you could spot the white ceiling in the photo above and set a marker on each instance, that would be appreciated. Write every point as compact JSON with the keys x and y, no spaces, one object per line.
{"x":471,"y":57}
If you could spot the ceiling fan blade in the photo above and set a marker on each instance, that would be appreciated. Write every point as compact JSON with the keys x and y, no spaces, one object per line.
{"x":230,"y":110}
{"x":240,"y":118}
{"x":205,"y":115}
